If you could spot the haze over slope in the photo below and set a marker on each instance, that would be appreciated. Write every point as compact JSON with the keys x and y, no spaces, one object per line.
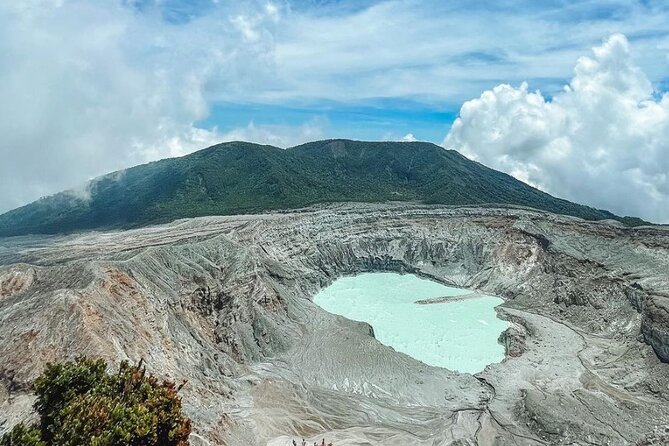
{"x":238,"y":177}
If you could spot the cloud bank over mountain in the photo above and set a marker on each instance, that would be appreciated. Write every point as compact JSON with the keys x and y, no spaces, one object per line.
{"x":602,"y":141}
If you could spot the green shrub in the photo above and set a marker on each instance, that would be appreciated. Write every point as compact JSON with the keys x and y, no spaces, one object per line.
{"x":80,"y":404}
{"x":22,"y":435}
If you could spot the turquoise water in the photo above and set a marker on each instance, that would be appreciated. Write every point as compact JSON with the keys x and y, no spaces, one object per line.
{"x":460,"y":334}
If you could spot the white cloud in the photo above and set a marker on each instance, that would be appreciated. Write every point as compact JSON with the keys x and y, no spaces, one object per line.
{"x":445,"y":51}
{"x":278,"y":135}
{"x":91,"y":87}
{"x":409,"y":138}
{"x":602,"y":141}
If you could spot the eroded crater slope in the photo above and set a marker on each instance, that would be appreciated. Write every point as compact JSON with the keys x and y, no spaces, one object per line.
{"x":225,"y":302}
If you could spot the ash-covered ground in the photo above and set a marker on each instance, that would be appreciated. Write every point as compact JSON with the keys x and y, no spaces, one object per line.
{"x":225,"y":302}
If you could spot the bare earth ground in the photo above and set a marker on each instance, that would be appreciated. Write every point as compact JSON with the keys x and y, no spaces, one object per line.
{"x":225,"y":302}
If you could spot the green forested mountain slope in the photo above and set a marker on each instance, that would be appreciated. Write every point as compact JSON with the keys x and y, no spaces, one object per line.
{"x":238,"y":177}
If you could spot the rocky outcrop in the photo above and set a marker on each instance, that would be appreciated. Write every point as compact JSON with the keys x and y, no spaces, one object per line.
{"x":655,"y":325}
{"x":16,"y":280}
{"x":225,"y":302}
{"x":513,"y":340}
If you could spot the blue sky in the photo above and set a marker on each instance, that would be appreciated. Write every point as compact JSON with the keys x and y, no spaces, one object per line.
{"x":387,"y":118}
{"x":90,"y":87}
{"x":501,"y":47}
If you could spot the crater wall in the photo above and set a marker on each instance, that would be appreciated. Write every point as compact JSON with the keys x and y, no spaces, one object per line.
{"x":225,"y":302}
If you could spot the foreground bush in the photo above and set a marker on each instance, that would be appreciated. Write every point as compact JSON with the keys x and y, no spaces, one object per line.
{"x":78,"y":403}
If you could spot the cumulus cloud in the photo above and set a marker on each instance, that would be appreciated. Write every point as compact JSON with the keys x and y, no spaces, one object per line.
{"x":603,"y":140}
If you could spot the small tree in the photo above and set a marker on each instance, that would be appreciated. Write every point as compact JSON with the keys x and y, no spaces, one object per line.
{"x":80,"y":404}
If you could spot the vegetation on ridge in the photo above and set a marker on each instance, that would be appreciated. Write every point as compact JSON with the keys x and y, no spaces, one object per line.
{"x":78,"y":403}
{"x":237,"y":177}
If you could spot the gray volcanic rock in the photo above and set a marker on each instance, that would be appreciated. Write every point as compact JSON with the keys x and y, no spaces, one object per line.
{"x":513,"y":339}
{"x":655,"y":324}
{"x":225,"y":302}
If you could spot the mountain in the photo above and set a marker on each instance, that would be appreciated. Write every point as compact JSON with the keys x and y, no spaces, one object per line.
{"x":239,"y":177}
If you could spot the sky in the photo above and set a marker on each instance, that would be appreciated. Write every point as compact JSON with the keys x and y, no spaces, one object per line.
{"x":569,"y":96}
